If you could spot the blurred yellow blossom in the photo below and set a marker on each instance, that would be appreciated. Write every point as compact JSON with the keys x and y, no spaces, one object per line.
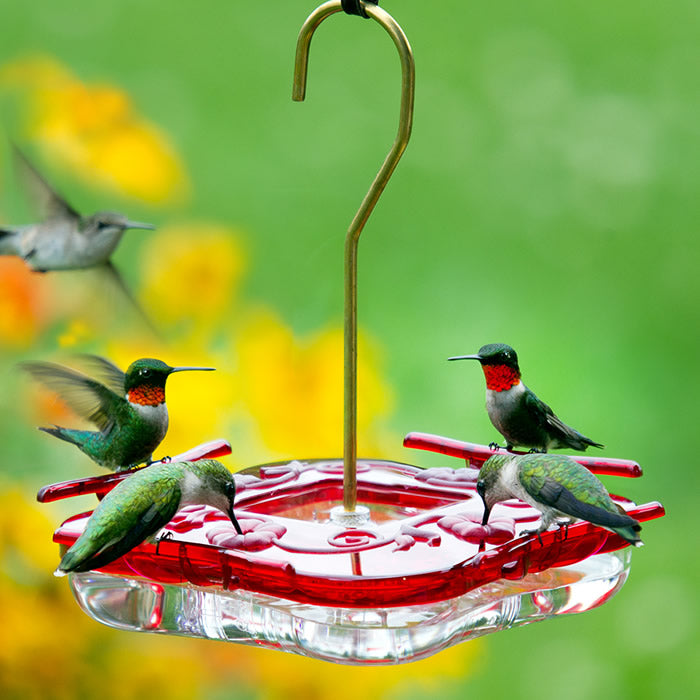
{"x":94,"y":129}
{"x":38,"y":659}
{"x":309,"y":679}
{"x":294,"y":388}
{"x":78,"y":331}
{"x":191,"y":273}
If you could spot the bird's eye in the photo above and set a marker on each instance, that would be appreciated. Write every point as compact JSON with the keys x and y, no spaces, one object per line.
{"x":144,"y":372}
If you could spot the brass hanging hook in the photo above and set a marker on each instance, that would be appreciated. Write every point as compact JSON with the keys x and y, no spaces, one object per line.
{"x":376,"y":188}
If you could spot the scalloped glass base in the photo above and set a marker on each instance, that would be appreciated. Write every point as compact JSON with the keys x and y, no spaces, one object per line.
{"x":391,"y":635}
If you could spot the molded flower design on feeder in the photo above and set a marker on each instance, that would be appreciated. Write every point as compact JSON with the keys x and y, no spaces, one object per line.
{"x":468,"y":528}
{"x":258,"y":533}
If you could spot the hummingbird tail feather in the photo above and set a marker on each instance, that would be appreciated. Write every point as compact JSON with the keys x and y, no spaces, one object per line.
{"x":617,"y":521}
{"x":630,"y":534}
{"x":592,"y":443}
{"x":61,"y":434}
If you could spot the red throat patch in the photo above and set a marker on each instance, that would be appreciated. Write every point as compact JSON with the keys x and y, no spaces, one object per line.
{"x":500,"y":377}
{"x":145,"y":395}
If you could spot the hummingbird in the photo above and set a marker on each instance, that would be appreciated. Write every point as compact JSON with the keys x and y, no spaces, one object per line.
{"x":515,"y":411}
{"x":128,"y":408}
{"x":558,"y":487}
{"x":140,"y":505}
{"x":64,"y":239}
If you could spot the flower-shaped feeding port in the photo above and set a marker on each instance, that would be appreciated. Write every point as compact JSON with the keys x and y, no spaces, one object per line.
{"x":420,"y":575}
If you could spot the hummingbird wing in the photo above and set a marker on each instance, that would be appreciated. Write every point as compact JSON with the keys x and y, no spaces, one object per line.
{"x":107,"y":371}
{"x":135,"y":509}
{"x":87,"y":397}
{"x":50,"y":203}
{"x":553,"y":425}
{"x":116,"y":278}
{"x":560,"y":483}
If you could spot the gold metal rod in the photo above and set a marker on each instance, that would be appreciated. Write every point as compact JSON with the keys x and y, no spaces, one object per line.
{"x":363,"y":213}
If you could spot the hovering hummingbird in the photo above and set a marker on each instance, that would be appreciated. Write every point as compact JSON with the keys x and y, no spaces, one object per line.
{"x":558,"y":487}
{"x":140,"y":505}
{"x":63,"y":239}
{"x":129,"y":408}
{"x":515,"y":411}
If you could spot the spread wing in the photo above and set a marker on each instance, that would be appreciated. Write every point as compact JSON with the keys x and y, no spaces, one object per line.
{"x":107,"y":371}
{"x":50,"y":203}
{"x":87,"y":397}
{"x":115,"y":277}
{"x":123,"y":521}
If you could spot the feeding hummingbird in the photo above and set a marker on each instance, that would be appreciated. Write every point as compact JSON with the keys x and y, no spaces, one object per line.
{"x":515,"y":411}
{"x":129,"y":408}
{"x":558,"y":487}
{"x":140,"y":505}
{"x":63,"y":239}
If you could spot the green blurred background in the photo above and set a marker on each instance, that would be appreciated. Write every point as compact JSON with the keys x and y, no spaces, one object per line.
{"x":548,"y":199}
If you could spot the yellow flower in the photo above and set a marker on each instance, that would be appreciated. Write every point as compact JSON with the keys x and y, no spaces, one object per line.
{"x":192,"y":272}
{"x":94,"y":129}
{"x":77,"y":332}
{"x":294,"y":389}
{"x":287,"y":677}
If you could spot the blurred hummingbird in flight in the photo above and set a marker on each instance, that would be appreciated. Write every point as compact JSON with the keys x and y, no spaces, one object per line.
{"x":557,"y":486}
{"x":128,"y":409}
{"x":64,"y":239}
{"x":140,"y":505}
{"x":515,"y":411}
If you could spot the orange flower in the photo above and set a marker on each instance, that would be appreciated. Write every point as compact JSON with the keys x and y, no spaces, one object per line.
{"x":23,"y":303}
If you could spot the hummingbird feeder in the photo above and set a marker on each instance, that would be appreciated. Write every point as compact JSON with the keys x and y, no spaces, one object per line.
{"x":355,"y":561}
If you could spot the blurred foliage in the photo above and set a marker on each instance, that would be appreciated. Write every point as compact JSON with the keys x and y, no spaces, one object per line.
{"x":548,"y":199}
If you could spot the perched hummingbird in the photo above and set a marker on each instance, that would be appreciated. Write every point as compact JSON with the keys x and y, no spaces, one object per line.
{"x":63,"y":240}
{"x":129,"y":408}
{"x":558,"y":487}
{"x":515,"y":411}
{"x":142,"y":504}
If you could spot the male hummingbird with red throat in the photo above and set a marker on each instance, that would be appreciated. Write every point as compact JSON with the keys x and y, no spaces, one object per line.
{"x":515,"y":411}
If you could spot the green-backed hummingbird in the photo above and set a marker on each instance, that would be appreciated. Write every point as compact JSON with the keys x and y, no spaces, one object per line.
{"x":63,"y":240}
{"x":515,"y":411}
{"x":557,"y":486}
{"x":128,"y":408}
{"x":143,"y":503}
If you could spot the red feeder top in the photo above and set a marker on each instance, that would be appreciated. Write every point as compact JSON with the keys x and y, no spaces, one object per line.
{"x":424,"y":541}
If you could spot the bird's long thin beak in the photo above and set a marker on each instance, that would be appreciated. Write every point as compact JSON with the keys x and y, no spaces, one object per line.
{"x":139,"y":224}
{"x":487,"y":512}
{"x":192,"y":369}
{"x":465,"y":357}
{"x":231,"y":515}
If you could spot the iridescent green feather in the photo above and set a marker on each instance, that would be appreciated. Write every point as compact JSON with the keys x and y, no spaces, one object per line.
{"x":137,"y":507}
